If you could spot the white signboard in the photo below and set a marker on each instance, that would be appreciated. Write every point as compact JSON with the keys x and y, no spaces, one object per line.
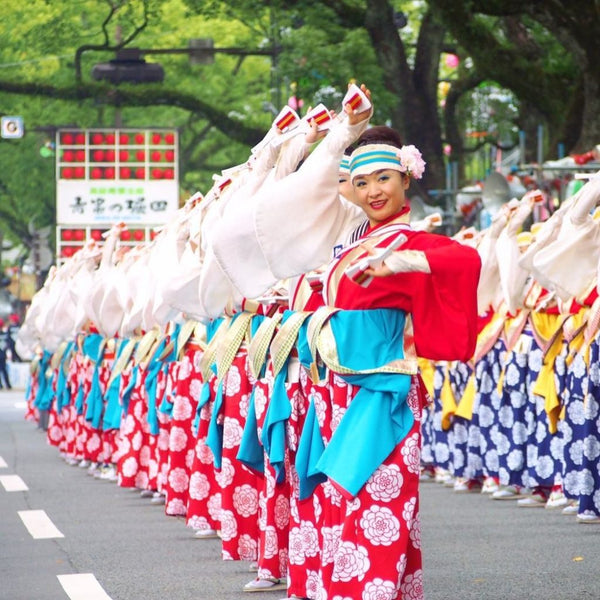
{"x":106,"y":176}
{"x":106,"y":202}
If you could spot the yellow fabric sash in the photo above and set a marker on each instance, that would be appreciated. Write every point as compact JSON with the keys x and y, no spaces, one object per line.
{"x":465,"y":404}
{"x":285,"y":338}
{"x":231,"y":342}
{"x":548,"y":330}
{"x":259,"y":346}
{"x":447,"y":399}
{"x":210,"y":353}
{"x":123,"y":358}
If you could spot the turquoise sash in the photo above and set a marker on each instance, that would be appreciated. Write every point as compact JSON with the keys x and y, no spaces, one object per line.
{"x":113,"y":410}
{"x":378,"y":417}
{"x":63,"y":392}
{"x":150,"y":382}
{"x":93,"y":348}
{"x":45,"y":394}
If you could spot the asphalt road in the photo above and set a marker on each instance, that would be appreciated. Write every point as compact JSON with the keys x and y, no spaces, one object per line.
{"x":474,"y":548}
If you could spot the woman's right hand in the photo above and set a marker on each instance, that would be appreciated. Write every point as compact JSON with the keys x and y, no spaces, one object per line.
{"x":357,"y":117}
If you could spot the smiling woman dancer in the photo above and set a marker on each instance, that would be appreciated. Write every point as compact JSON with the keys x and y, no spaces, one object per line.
{"x":420,"y":301}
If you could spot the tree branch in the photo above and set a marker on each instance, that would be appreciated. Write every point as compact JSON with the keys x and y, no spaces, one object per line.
{"x":235,"y":129}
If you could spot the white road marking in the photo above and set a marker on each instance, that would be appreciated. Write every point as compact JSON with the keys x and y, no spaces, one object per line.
{"x":39,"y":525}
{"x":21,"y":404}
{"x":82,"y":586}
{"x":13,"y":483}
{"x":3,"y":464}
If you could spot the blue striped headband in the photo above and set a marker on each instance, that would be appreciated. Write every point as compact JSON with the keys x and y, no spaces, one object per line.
{"x":345,"y":165}
{"x":374,"y":157}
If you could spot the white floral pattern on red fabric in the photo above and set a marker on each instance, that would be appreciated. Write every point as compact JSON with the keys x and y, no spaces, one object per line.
{"x":214,"y":507}
{"x":352,"y":506}
{"x":385,"y":483}
{"x":198,"y":523}
{"x":199,"y":486}
{"x":128,"y":425}
{"x":189,"y":459}
{"x":178,"y":439}
{"x":228,"y":525}
{"x":415,"y":532}
{"x":130,"y":467}
{"x":260,"y":401}
{"x":55,"y":433}
{"x":351,"y":562}
{"x":93,"y":443}
{"x":245,"y":500}
{"x":378,"y":589}
{"x":225,"y":476}
{"x":408,"y":511}
{"x":262,"y":512}
{"x":317,"y":508}
{"x":145,"y":456}
{"x":247,"y":547}
{"x":163,"y":440}
{"x":331,"y":541}
{"x":271,"y":544}
{"x":178,"y":480}
{"x":310,"y":538}
{"x":136,"y":441}
{"x":312,"y":583}
{"x":400,"y":568}
{"x":196,"y":359}
{"x":185,"y":369}
{"x":317,"y":399}
{"x":195,"y":389}
{"x":204,"y":453}
{"x":411,"y":453}
{"x":269,"y":483}
{"x":182,"y":408}
{"x":138,"y":409}
{"x":295,"y":546}
{"x":411,"y":587}
{"x":332,"y":493}
{"x":291,"y":436}
{"x":283,"y":560}
{"x":232,"y":433}
{"x":233,"y":381}
{"x":380,"y":526}
{"x":336,"y":416}
{"x":412,"y":399}
{"x":282,"y":512}
{"x":243,"y":403}
{"x":175,"y":507}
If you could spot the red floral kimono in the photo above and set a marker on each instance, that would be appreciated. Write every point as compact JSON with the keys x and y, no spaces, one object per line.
{"x":374,"y":551}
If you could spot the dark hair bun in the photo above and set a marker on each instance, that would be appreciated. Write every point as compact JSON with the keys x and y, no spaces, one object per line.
{"x":380,"y":134}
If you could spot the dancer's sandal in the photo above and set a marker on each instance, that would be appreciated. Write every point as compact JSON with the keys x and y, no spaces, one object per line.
{"x":268,"y":584}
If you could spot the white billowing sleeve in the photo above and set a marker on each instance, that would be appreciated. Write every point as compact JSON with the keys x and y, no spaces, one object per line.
{"x":489,"y":279}
{"x":291,"y":224}
{"x":300,"y":218}
{"x":513,"y":277}
{"x":233,"y":265}
{"x":568,"y":264}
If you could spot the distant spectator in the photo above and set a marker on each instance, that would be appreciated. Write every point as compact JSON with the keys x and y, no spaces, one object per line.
{"x":13,"y":328}
{"x":4,"y":349}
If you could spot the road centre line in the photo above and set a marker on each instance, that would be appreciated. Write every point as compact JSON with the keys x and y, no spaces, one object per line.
{"x":13,"y":483}
{"x":39,"y":525}
{"x":82,"y":586}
